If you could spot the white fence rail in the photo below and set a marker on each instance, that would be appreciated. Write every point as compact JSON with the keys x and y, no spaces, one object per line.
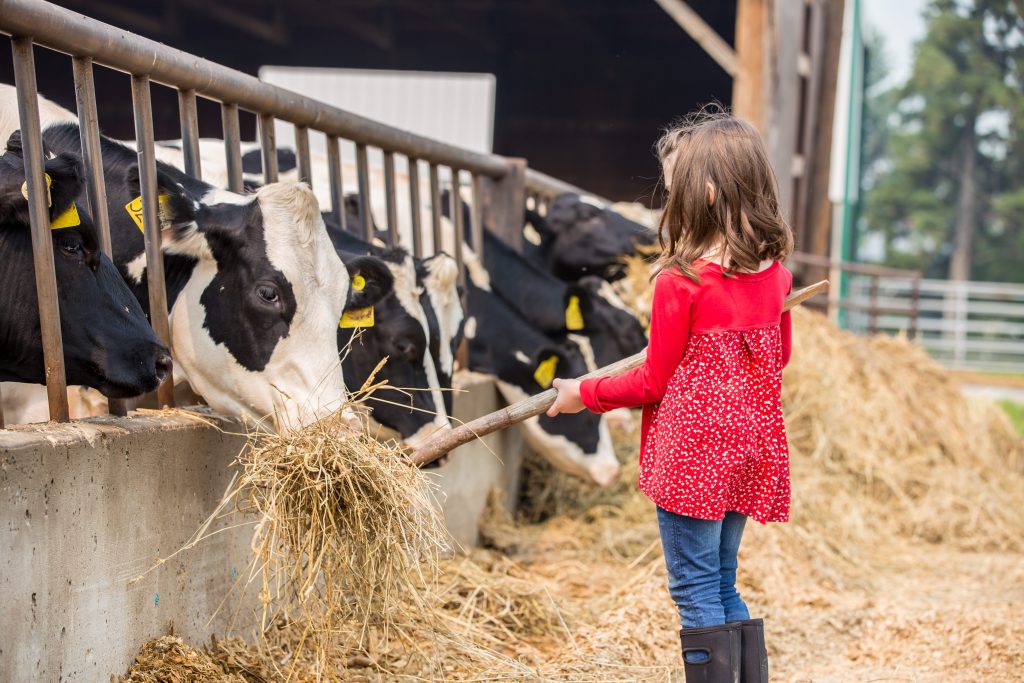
{"x":969,"y":325}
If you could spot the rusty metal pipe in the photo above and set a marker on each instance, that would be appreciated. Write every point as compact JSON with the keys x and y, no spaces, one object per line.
{"x":39,"y":216}
{"x":62,"y":29}
{"x":143,"y":110}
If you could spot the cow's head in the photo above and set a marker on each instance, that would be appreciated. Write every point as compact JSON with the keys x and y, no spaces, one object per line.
{"x":612,"y":331}
{"x":254,"y":328}
{"x":581,"y":236}
{"x":107,"y":342}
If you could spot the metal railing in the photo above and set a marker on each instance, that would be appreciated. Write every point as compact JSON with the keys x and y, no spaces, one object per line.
{"x":871,"y":305}
{"x":967,"y":325}
{"x":498,"y":184}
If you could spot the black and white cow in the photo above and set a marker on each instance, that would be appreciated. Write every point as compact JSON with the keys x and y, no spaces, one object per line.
{"x":254,"y":284}
{"x":408,"y":331}
{"x":580,"y":235}
{"x":523,"y":362}
{"x":107,"y":342}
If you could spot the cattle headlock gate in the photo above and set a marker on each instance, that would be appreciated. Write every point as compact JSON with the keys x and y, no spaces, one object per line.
{"x":499,"y":185}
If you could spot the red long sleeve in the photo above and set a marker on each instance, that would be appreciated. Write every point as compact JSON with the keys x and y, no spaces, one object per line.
{"x":670,"y":332}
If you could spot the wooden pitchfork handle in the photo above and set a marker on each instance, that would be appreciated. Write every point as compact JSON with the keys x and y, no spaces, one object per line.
{"x":535,"y":405}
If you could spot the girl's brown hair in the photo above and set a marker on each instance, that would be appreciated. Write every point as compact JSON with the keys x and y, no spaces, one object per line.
{"x":744,"y":221}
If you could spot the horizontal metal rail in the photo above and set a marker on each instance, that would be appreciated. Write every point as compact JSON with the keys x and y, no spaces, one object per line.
{"x":61,"y":29}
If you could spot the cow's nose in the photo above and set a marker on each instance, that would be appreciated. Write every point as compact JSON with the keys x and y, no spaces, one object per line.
{"x":164,"y":366}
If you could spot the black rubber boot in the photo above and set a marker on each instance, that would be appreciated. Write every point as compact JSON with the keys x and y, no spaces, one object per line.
{"x":722,"y":644}
{"x":754,"y":667}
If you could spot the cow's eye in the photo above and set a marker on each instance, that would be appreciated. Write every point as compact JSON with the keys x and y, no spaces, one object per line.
{"x":71,"y":245}
{"x":268,"y":293}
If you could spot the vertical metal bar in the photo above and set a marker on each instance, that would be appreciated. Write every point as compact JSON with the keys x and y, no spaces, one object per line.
{"x":268,"y":148}
{"x":39,"y":217}
{"x":189,"y":121}
{"x":363,"y":175}
{"x":915,"y":305}
{"x":435,"y":208}
{"x":457,"y":219}
{"x":390,"y":204}
{"x":477,"y":216}
{"x":302,"y":152}
{"x":142,"y":106}
{"x":873,"y":305}
{"x":92,"y":157}
{"x":232,"y":146}
{"x":2,"y":423}
{"x":334,"y":171}
{"x":414,"y":200}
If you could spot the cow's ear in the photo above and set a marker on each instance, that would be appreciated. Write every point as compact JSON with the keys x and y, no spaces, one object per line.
{"x":177,"y":209}
{"x":66,"y":181}
{"x":370,"y":280}
{"x":14,"y":143}
{"x":537,"y":229}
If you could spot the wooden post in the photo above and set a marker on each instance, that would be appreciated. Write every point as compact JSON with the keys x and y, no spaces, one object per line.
{"x":753,"y":27}
{"x":504,"y":203}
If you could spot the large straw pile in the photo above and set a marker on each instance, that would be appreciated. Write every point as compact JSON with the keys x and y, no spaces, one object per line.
{"x":904,"y":551}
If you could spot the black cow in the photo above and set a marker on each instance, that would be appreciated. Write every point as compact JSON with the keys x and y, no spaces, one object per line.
{"x":589,"y":310}
{"x":407,"y":332}
{"x":580,"y":235}
{"x":108,"y":345}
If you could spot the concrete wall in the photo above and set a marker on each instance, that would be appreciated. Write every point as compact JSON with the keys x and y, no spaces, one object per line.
{"x":87,"y":507}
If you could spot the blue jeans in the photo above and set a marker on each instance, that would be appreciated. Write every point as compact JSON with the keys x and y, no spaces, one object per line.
{"x":700,"y":555}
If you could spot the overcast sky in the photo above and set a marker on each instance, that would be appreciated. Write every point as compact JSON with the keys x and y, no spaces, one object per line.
{"x":901,"y":23}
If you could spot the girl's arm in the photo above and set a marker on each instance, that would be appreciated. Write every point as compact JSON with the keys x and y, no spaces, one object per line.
{"x":670,"y":332}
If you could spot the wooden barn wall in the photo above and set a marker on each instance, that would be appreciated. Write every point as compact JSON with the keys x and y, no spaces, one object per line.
{"x":583,"y":85}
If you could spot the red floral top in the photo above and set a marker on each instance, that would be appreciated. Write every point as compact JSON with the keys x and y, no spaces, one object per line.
{"x":713,"y":437}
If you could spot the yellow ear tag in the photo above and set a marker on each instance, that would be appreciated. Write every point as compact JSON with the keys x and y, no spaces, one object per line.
{"x":359,"y":283}
{"x":68,"y":219}
{"x":573,"y":315}
{"x":545,"y":372}
{"x":49,"y":184}
{"x":360,"y":317}
{"x":134,"y":209}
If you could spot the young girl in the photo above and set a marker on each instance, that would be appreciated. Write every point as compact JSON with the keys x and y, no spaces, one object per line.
{"x":713,"y":446}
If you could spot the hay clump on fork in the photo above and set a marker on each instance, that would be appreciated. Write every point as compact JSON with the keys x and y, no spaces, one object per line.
{"x":348,"y":533}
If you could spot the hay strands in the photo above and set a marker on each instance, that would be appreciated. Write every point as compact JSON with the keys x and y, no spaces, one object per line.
{"x":535,"y":405}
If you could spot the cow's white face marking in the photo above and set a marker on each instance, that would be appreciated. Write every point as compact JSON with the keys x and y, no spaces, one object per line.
{"x":408,"y":294}
{"x":586,"y":350}
{"x":442,"y":290}
{"x":522,"y":358}
{"x":470,"y":330}
{"x":531,"y":235}
{"x":601,"y":467}
{"x":302,"y":380}
{"x":475,"y":269}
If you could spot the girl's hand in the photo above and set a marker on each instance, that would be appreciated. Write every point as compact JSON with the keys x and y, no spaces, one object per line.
{"x":568,"y":400}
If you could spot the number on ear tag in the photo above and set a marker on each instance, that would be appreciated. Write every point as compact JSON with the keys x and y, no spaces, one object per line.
{"x":544,"y":375}
{"x":49,"y":183}
{"x":360,"y":317}
{"x":68,"y":219}
{"x":573,"y":315}
{"x":134,"y":209}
